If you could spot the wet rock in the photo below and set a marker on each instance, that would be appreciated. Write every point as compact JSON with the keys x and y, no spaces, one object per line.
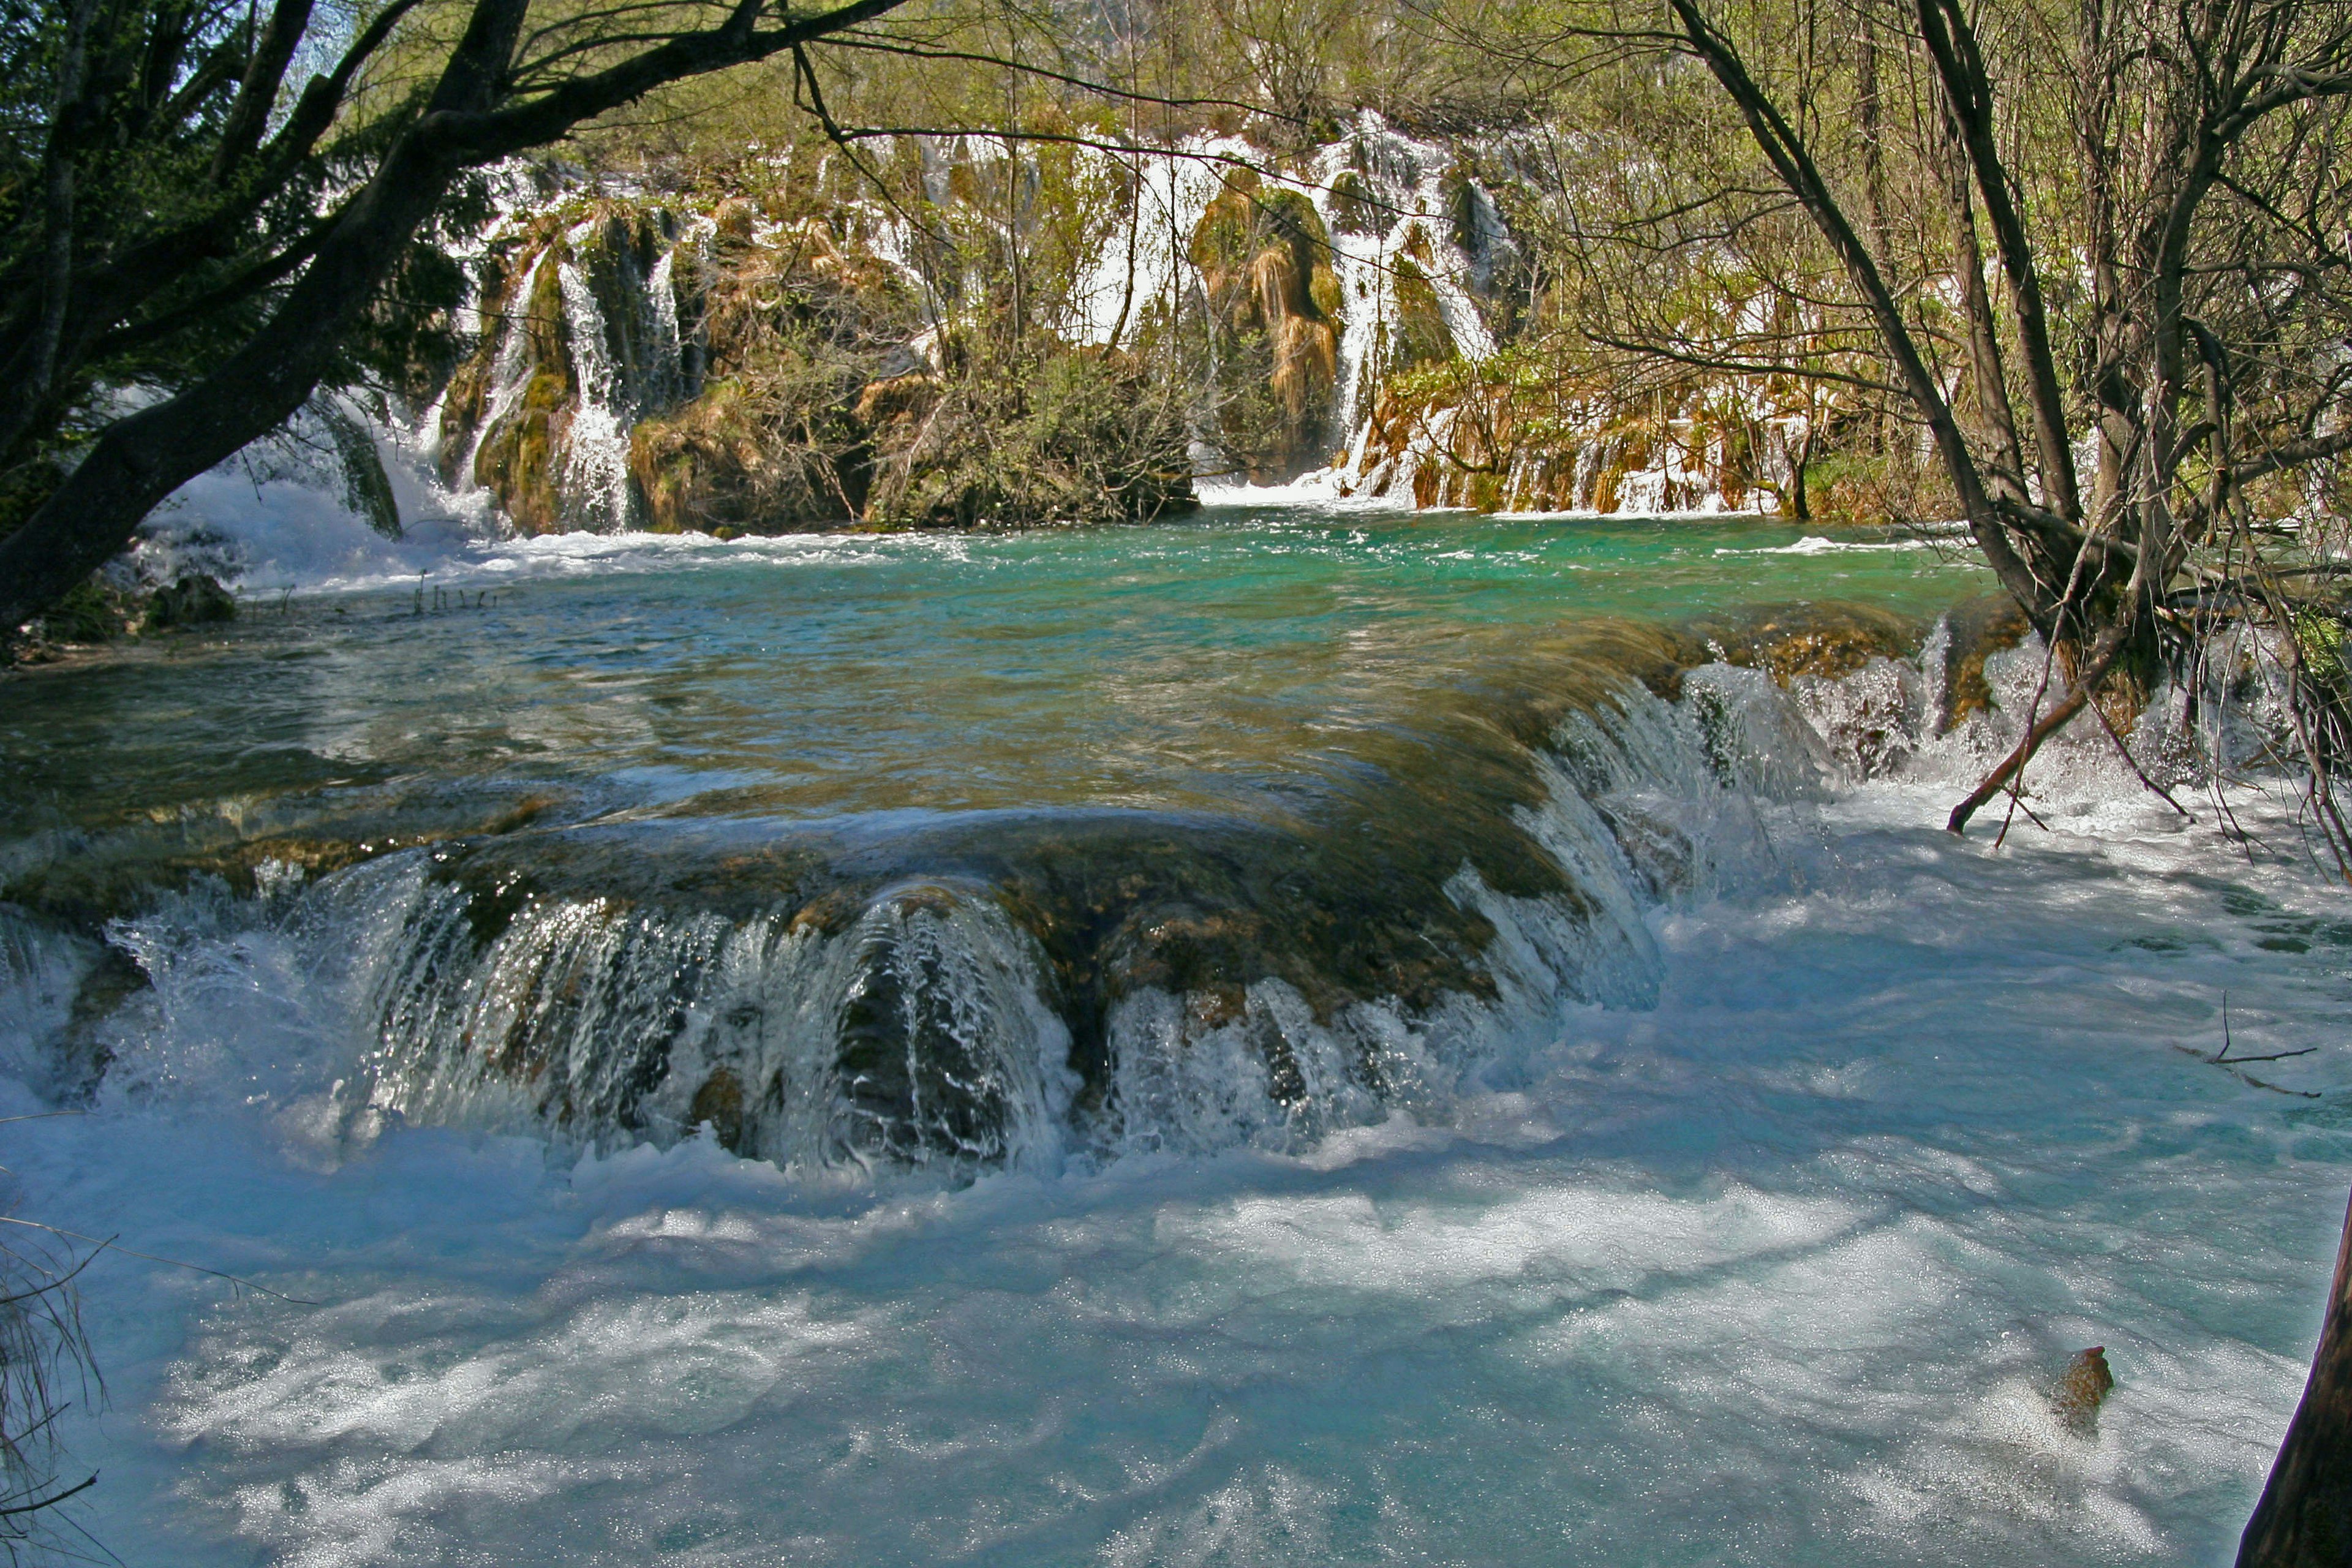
{"x":719,"y":1103}
{"x":83,"y":1053}
{"x":2082,"y":1390}
{"x":194,"y":600}
{"x":1980,"y":627}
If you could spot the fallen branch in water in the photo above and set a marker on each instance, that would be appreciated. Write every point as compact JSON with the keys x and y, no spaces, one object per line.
{"x":2225,"y":1057}
{"x":2124,"y":751}
{"x":2230,"y":1066}
{"x":2103,"y":659}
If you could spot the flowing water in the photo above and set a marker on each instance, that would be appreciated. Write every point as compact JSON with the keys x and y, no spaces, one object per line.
{"x":1301,"y":1037}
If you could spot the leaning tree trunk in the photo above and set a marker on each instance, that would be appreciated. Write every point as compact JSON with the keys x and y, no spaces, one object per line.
{"x":2304,"y":1519}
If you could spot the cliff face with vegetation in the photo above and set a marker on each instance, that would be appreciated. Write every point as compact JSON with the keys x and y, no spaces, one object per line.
{"x":760,"y":363}
{"x":1273,"y":309}
{"x":780,"y":347}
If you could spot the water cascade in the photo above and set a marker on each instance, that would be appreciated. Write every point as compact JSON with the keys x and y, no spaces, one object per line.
{"x":1301,"y":1037}
{"x":951,"y":999}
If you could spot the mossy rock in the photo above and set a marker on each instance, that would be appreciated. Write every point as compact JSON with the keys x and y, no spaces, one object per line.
{"x":1354,"y":209}
{"x":195,"y":600}
{"x":1420,"y":336}
{"x":1980,"y":627}
{"x":1274,"y":305}
{"x":1825,"y":641}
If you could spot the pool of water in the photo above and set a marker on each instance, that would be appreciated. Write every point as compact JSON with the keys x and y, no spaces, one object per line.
{"x":1221,"y":663}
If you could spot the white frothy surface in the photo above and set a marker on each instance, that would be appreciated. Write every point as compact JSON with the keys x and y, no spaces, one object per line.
{"x":1774,"y":1272}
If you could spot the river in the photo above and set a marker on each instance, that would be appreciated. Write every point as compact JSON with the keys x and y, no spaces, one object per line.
{"x":1297,"y":1035}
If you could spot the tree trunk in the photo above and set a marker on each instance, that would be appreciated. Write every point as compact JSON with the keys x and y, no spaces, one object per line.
{"x":143,"y":458}
{"x":2304,"y":1519}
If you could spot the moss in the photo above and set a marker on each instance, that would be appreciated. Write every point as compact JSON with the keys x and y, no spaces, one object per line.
{"x":1323,"y":289}
{"x":92,"y":611}
{"x":1420,"y":336}
{"x":2320,"y":637}
{"x":1609,"y":487}
{"x":1459,"y":194}
{"x":1221,"y":240}
{"x":518,"y":459}
{"x":194,"y":600}
{"x":1273,"y":303}
{"x":1354,"y":209}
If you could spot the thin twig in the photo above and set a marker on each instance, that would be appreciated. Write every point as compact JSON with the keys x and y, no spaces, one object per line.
{"x":109,"y":1244}
{"x":2161,"y":793}
{"x":52,"y":1501}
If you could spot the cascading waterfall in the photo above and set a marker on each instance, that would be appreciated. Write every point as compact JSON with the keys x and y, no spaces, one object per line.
{"x":669,"y":337}
{"x":1414,"y":241}
{"x":912,"y":1038}
{"x":597,"y":454}
{"x":923,"y":1029}
{"x":511,"y":372}
{"x":1382,"y":197}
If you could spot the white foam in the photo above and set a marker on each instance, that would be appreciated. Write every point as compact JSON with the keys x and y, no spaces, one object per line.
{"x":1818,"y":544}
{"x":1773,"y":1267}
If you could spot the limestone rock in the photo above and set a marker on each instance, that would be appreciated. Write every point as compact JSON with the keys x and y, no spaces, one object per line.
{"x":194,"y":600}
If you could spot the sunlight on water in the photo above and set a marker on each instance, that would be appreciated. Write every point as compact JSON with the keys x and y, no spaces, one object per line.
{"x":1311,"y":1037}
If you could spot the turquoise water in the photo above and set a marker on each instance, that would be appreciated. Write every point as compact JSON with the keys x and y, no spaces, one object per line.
{"x":1299,"y":1039}
{"x":1222,"y":662}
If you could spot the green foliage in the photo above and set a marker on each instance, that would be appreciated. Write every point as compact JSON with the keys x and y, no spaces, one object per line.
{"x":1057,"y":437}
{"x":202,"y":249}
{"x":93,"y":612}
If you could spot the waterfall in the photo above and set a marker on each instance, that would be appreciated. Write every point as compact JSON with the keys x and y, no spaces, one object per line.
{"x":596,"y":457}
{"x":669,"y":339}
{"x":510,"y":373}
{"x":1402,"y":188}
{"x":920,"y":1025}
{"x":1417,"y":250}
{"x":912,"y":1038}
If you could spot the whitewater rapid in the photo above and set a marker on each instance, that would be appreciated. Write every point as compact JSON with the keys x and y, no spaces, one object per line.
{"x":1770,"y":1272}
{"x":1737,"y":1203}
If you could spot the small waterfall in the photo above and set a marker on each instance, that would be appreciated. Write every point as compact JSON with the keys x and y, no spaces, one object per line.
{"x":939,"y":1026}
{"x":912,"y":1038}
{"x":596,"y":456}
{"x":669,"y":339}
{"x":511,"y":371}
{"x":1382,"y":199}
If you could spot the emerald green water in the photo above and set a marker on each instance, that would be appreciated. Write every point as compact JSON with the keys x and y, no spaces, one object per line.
{"x":1250,"y":659}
